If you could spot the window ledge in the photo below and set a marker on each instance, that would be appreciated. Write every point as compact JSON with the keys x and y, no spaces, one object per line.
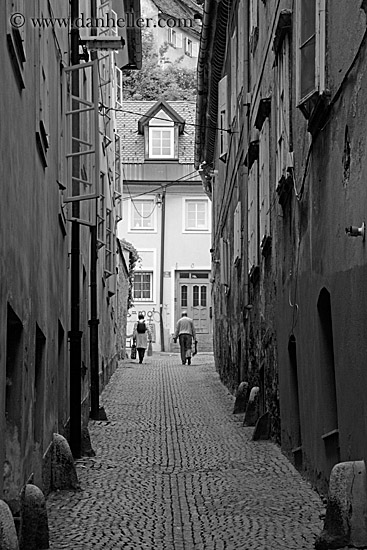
{"x":330,"y":435}
{"x":160,"y":159}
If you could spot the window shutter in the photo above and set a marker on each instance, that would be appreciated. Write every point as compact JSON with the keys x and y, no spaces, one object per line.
{"x":264,"y":179}
{"x":237,"y":233}
{"x":223,"y":115}
{"x":241,"y":45}
{"x":223,"y":260}
{"x":179,"y":40}
{"x":253,"y":232}
{"x":118,"y":76}
{"x":195,"y":50}
{"x":234,"y":62}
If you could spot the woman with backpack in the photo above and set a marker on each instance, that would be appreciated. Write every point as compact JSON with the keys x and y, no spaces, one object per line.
{"x":141,"y":335}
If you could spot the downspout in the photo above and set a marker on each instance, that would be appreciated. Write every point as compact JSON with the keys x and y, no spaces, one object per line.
{"x":247,"y":75}
{"x":161,"y":283}
{"x":246,"y":309}
{"x":201,"y":68}
{"x":75,"y":335}
{"x":95,"y":412}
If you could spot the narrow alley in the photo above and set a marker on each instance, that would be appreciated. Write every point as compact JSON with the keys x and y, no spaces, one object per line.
{"x":176,"y":470}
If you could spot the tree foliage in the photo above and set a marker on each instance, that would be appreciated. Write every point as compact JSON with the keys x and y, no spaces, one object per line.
{"x":134,"y":258}
{"x":159,"y":78}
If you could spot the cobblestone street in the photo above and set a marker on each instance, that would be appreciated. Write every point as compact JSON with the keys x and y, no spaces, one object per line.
{"x":176,"y":470}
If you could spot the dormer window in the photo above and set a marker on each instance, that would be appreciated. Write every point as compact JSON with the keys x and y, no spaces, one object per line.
{"x":161,"y":127}
{"x":161,"y":136}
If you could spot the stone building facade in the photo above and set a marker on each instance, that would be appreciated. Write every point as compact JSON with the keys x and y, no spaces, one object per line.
{"x":44,"y":195}
{"x":281,"y":147}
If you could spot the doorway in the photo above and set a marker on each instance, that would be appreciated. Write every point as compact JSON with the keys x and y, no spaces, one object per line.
{"x":193,"y":296}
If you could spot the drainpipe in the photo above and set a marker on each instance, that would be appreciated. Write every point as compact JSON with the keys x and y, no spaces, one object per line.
{"x":94,"y":321}
{"x":163,"y":229}
{"x":93,"y":324}
{"x":247,"y":75}
{"x":75,"y":335}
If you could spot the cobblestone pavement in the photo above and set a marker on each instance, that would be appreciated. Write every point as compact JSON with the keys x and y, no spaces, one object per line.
{"x":176,"y":470}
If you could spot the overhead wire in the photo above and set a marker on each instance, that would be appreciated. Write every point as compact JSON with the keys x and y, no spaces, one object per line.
{"x":117,"y":109}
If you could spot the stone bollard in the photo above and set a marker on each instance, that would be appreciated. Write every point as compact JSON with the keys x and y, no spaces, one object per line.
{"x":252,"y":409}
{"x":33,"y":533}
{"x":262,"y":428}
{"x":346,"y":511}
{"x":8,"y":534}
{"x":241,"y":398}
{"x":63,"y":472}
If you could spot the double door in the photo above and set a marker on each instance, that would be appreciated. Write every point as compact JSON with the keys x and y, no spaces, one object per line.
{"x":193,"y":297}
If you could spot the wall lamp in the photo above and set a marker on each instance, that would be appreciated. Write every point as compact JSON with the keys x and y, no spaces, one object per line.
{"x":354,"y":231}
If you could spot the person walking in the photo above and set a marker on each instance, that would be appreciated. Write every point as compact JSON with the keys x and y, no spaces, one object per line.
{"x":141,"y":335}
{"x":185,"y":332}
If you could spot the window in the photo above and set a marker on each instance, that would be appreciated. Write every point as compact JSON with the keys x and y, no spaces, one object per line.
{"x":196,"y":215}
{"x":203,"y":295}
{"x":188,"y":47}
{"x":311,"y":52}
{"x":143,"y":214}
{"x":174,"y":38}
{"x":254,"y":28}
{"x":282,"y":110}
{"x":143,"y":285}
{"x":161,"y":142}
{"x":161,"y":136}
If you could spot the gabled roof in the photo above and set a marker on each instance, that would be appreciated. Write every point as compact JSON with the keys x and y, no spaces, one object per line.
{"x":132,"y":143}
{"x":164,"y":106}
{"x":180,"y":9}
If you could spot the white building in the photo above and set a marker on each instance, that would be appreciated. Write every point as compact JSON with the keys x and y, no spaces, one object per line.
{"x":166,"y":216}
{"x":178,"y":30}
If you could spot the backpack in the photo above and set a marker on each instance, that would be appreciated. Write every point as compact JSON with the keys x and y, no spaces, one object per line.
{"x":141,"y":328}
